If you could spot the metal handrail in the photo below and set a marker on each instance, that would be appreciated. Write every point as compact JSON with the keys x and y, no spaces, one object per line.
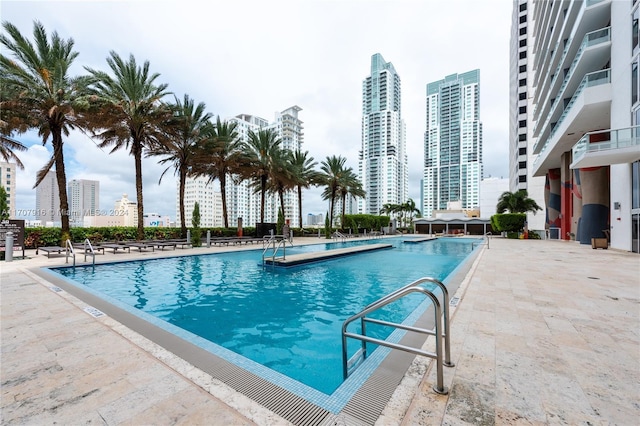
{"x":340,"y":235}
{"x":87,"y":243}
{"x":486,"y":238}
{"x":281,"y":242}
{"x":69,"y":249}
{"x":439,"y":312}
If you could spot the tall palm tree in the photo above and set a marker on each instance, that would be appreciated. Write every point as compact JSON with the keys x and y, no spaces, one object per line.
{"x":350,"y":186}
{"x":410,"y":208}
{"x":332,"y":170}
{"x":304,"y":175}
{"x":219,"y":154}
{"x":262,"y":148}
{"x":281,"y":177}
{"x":185,"y":129}
{"x":517,"y":202}
{"x":7,"y":148}
{"x":131,"y":114}
{"x":38,"y":93}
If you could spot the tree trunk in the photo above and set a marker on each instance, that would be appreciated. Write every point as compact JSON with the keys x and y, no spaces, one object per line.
{"x":281,"y":197}
{"x":263,"y":188}
{"x":344,"y":200}
{"x":300,"y":206}
{"x":223,"y":193}
{"x":137,"y":154}
{"x":62,"y":181}
{"x":183,"y":178}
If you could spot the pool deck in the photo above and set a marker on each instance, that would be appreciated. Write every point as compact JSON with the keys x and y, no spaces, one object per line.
{"x":303,"y":258}
{"x":544,"y":332}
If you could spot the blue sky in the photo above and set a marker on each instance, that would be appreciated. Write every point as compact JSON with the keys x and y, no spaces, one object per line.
{"x":259,"y":57}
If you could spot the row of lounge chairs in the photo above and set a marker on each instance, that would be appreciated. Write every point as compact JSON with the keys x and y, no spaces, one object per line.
{"x":116,"y":246}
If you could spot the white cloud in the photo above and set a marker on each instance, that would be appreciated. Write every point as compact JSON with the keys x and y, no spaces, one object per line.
{"x":258,"y":57}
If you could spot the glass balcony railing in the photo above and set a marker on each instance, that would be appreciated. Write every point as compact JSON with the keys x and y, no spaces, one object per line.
{"x":595,"y":78}
{"x":605,"y":140}
{"x":590,"y":39}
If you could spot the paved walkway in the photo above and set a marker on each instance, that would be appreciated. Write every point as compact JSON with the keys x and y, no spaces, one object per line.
{"x":546,"y":332}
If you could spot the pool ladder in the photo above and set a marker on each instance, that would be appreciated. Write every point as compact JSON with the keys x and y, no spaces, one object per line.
{"x":441,"y":316}
{"x":276,"y":242}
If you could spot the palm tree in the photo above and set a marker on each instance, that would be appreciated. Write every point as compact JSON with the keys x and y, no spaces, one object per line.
{"x":349,"y":185}
{"x":410,"y":207}
{"x":185,"y":129}
{"x":38,"y":93}
{"x":304,"y":175}
{"x":332,"y":170}
{"x":262,"y":149}
{"x":517,"y":202}
{"x":219,"y":154}
{"x":7,"y":146}
{"x":281,"y":177}
{"x":131,"y":114}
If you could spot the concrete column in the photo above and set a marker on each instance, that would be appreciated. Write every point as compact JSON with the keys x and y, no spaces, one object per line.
{"x":566,"y":197}
{"x":577,"y":205}
{"x":594,"y":182}
{"x":552,"y":198}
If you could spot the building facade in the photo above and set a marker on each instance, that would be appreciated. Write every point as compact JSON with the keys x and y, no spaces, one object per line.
{"x":585,"y":115}
{"x":8,"y":182}
{"x":48,"y":201}
{"x":520,"y":108}
{"x":383,"y":165}
{"x":127,"y":210}
{"x":242,"y":199}
{"x":207,"y":195}
{"x":84,"y":200}
{"x":452,"y":143}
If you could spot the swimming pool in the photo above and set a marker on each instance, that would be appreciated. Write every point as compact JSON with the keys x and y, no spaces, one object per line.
{"x":285,"y":320}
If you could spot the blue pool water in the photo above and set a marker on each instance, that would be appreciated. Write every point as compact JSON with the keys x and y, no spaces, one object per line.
{"x":288,"y":320}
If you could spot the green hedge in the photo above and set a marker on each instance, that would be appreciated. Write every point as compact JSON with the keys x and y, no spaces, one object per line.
{"x":508,"y":222}
{"x":360,"y":222}
{"x":40,"y":237}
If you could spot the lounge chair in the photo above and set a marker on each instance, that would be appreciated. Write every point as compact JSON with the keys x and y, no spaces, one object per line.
{"x":52,"y":249}
{"x":141,"y":245}
{"x":115,"y":247}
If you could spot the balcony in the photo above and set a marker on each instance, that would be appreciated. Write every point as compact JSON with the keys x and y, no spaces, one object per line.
{"x":589,"y":109}
{"x":592,"y":54}
{"x":607,"y":147}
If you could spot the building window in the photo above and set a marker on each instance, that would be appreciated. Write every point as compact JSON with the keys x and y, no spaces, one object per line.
{"x":522,"y":96}
{"x":522,"y":178}
{"x":522,"y":151}
{"x":523,"y":30}
{"x":522,"y":164}
{"x":522,"y":123}
{"x":523,"y":42}
{"x":523,"y":68}
{"x":523,"y":7}
{"x":523,"y":19}
{"x":634,"y":30}
{"x":634,"y":83}
{"x":522,"y":110}
{"x":522,"y":82}
{"x":522,"y":137}
{"x":523,"y":55}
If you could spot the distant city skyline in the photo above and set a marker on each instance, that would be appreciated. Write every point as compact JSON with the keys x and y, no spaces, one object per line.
{"x":318,"y":70}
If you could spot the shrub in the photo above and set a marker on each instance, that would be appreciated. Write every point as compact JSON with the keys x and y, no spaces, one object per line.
{"x":508,"y":222}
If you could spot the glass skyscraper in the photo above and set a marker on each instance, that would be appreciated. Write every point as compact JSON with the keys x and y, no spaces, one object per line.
{"x":383,"y":160}
{"x":453,"y":143}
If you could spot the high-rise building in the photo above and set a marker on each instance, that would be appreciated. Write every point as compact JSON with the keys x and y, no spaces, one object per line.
{"x":382,"y":166}
{"x":585,"y":115}
{"x":207,"y":195}
{"x":127,"y":210}
{"x":242,"y":199}
{"x":48,"y":200}
{"x":520,"y":109}
{"x":8,"y":182}
{"x":84,"y":200}
{"x":453,"y":143}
